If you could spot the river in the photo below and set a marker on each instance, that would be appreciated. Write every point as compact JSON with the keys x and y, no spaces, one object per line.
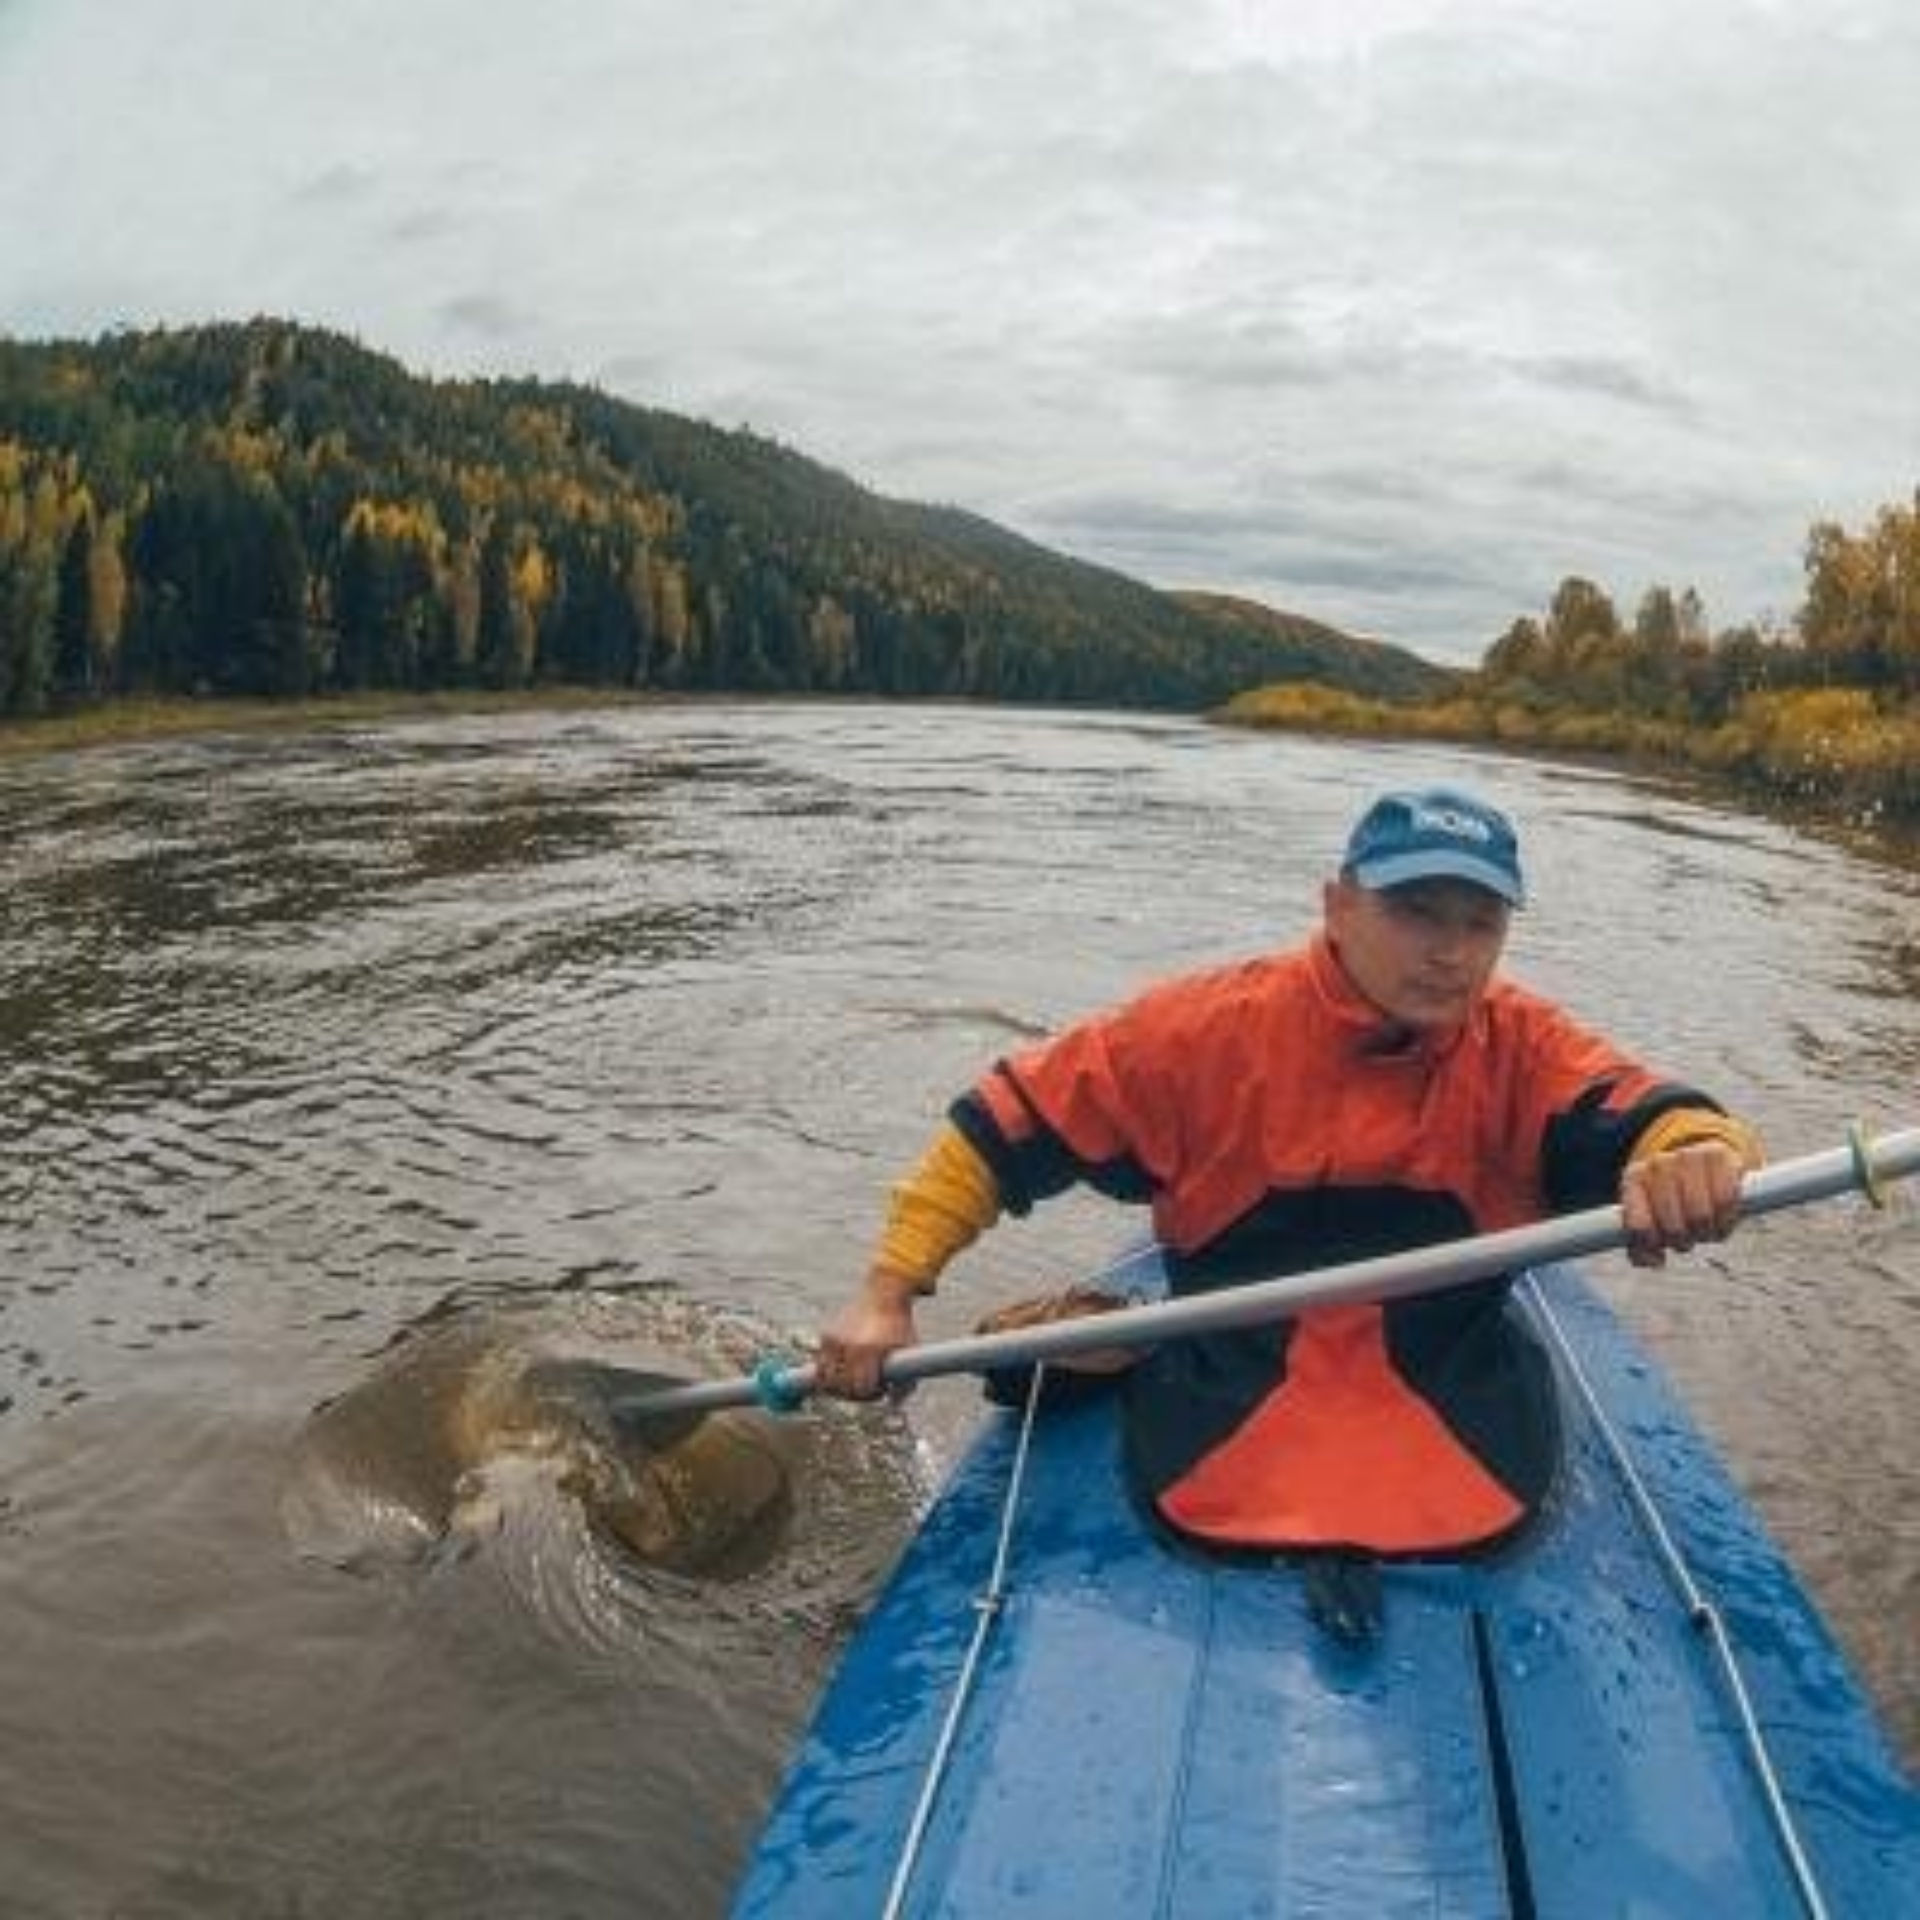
{"x":621,"y":1022}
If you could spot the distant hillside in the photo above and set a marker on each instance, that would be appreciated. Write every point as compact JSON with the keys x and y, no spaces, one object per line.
{"x":1325,"y":653}
{"x":264,"y":508}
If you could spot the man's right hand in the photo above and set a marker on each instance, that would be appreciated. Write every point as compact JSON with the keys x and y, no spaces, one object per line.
{"x":853,"y":1347}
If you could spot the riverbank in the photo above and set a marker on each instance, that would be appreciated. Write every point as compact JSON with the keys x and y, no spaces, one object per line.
{"x":128,"y":722}
{"x":1831,"y":753}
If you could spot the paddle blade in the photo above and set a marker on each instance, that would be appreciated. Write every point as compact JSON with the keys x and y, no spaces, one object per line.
{"x":614,"y":1398}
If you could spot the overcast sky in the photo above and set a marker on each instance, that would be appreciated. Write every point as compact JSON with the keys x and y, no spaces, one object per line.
{"x":1392,"y":312}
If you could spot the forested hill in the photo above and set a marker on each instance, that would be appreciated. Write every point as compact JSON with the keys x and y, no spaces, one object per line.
{"x":268,"y":509}
{"x":1331,"y":658}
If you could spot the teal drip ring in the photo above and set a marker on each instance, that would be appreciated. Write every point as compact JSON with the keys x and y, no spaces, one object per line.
{"x":773,"y":1386}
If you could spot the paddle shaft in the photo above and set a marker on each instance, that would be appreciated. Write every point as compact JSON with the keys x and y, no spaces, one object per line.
{"x":1862,"y":1166}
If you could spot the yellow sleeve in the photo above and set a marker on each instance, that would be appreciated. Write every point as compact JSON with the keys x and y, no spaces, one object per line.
{"x":943,"y":1205}
{"x":1690,"y":1126}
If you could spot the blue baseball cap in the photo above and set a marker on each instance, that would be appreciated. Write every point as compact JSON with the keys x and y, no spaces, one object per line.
{"x":1438,"y":833}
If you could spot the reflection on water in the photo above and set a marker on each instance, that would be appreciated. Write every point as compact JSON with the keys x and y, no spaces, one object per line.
{"x":366,"y":1071}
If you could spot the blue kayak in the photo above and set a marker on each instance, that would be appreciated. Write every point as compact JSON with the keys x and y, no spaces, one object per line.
{"x":1633,"y":1710}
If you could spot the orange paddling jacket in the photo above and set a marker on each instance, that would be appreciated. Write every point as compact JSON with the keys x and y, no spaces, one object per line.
{"x":1275,"y":1126}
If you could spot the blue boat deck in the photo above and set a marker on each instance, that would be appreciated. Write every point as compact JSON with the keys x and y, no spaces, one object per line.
{"x":1154,"y":1733}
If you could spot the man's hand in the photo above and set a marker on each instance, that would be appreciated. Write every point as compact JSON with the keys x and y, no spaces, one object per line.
{"x":1672,"y":1201}
{"x":877,"y":1321}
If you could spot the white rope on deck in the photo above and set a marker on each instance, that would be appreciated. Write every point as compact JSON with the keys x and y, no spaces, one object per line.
{"x":1702,"y":1614}
{"x":987,"y":1608}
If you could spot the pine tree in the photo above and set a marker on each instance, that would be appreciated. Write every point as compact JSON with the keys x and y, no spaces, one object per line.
{"x":73,"y":619}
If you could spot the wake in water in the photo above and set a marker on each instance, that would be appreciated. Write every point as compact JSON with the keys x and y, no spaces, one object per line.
{"x":489,"y":1431}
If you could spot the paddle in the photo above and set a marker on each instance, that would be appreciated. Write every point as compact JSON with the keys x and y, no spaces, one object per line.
{"x":1863,"y":1165}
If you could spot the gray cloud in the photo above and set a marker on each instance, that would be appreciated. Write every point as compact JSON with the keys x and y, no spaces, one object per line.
{"x":1610,"y":379}
{"x":1387,"y":574}
{"x":487,"y":315}
{"x":424,"y":224}
{"x":342,"y":181}
{"x":1393,"y":311}
{"x":1123,"y":517}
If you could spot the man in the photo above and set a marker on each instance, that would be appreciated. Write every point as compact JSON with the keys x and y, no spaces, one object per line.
{"x":1373,"y":1090}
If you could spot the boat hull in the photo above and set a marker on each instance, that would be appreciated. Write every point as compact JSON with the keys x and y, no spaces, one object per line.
{"x":1154,"y":1732}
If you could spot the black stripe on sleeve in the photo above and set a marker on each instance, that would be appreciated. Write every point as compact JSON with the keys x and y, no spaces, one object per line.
{"x":1585,"y":1149}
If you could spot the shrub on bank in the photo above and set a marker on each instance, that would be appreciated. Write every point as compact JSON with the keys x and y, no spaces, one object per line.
{"x":1823,"y":743}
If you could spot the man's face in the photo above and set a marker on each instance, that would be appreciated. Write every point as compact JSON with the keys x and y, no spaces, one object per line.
{"x":1422,"y":953}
